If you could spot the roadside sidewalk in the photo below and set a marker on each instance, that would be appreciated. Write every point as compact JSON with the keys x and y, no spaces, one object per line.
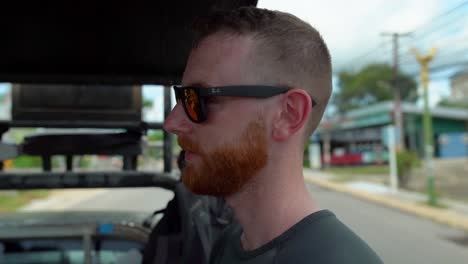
{"x":455,"y":215}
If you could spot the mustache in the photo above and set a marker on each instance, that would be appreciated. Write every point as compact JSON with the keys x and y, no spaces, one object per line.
{"x":188,"y":145}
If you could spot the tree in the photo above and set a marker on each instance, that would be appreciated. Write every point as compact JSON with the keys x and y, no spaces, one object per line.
{"x":370,"y":85}
{"x":406,"y":162}
{"x":156,"y":135}
{"x":452,"y":103}
{"x":147,"y":103}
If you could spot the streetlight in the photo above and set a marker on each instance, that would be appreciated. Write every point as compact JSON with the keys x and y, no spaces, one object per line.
{"x":427,"y":122}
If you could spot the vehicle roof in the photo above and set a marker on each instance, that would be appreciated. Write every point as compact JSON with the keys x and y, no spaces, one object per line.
{"x":94,"y":43}
{"x":88,"y":41}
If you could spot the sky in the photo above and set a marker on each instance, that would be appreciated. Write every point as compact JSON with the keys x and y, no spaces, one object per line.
{"x":352,"y":28}
{"x":353,"y":32}
{"x":4,"y":87}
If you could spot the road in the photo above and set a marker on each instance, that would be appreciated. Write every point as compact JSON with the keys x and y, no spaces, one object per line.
{"x":128,"y":199}
{"x":395,"y":236}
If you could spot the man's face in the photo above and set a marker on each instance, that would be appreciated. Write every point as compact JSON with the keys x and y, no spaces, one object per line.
{"x":230,"y":147}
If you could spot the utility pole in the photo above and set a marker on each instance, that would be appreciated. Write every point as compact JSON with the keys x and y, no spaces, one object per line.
{"x":398,"y":115}
{"x":326,"y":144}
{"x":427,"y":122}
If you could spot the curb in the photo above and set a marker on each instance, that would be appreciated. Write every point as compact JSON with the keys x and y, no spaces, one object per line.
{"x":440,"y":216}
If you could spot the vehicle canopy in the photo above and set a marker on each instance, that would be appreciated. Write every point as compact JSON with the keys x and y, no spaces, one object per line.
{"x":81,"y":64}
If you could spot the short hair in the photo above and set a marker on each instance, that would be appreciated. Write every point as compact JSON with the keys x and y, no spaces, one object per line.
{"x":294,"y":51}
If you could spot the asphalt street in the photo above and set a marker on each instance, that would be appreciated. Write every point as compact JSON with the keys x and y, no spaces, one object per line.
{"x":397,"y":237}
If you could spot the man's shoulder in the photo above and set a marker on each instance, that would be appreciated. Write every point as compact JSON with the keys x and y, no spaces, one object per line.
{"x":322,"y":238}
{"x":318,"y":238}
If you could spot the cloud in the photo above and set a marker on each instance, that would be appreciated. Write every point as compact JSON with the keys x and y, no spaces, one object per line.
{"x":352,"y":28}
{"x":405,"y":16}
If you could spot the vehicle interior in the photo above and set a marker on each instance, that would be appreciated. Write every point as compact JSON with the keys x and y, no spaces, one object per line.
{"x":77,"y":65}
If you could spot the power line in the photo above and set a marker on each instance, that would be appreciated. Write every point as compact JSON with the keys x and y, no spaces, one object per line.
{"x":361,"y":57}
{"x":423,"y":32}
{"x":438,"y":68}
{"x":444,"y":14}
{"x":418,"y":36}
{"x":447,"y":57}
{"x":445,"y":54}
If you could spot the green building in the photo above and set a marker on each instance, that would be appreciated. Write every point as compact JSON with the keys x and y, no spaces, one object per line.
{"x":363,"y":130}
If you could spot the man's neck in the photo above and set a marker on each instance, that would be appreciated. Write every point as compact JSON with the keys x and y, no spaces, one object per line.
{"x":271,"y":204}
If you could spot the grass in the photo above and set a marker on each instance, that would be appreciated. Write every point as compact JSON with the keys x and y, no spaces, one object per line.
{"x":347,"y":174}
{"x":84,"y":162}
{"x":438,"y":205}
{"x":12,"y":201}
{"x":360,"y":170}
{"x":155,"y":135}
{"x":343,"y":178}
{"x":27,"y":162}
{"x":438,"y":196}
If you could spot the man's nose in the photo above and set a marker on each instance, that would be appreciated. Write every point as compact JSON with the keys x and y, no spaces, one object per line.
{"x":177,"y":121}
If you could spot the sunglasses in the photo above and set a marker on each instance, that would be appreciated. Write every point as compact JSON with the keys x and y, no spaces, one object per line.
{"x":194,"y":100}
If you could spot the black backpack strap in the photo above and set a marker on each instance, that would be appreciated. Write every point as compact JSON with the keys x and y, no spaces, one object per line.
{"x":162,"y":250}
{"x":168,"y":249}
{"x":162,"y":235}
{"x":187,"y":231}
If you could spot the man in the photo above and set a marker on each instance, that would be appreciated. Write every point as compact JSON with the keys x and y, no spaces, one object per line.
{"x":255,"y":87}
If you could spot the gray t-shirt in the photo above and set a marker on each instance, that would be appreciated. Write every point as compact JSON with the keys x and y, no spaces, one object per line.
{"x":318,"y":238}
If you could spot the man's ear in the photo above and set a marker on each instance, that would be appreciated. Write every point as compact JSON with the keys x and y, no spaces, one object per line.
{"x":295,"y":109}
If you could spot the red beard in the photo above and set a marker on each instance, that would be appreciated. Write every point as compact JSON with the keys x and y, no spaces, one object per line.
{"x":228,"y":168}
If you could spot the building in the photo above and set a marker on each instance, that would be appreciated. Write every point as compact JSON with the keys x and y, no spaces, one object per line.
{"x":360,"y":135}
{"x":459,"y":86}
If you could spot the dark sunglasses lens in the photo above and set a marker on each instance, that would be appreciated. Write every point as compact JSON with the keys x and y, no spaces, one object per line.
{"x":192,"y":104}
